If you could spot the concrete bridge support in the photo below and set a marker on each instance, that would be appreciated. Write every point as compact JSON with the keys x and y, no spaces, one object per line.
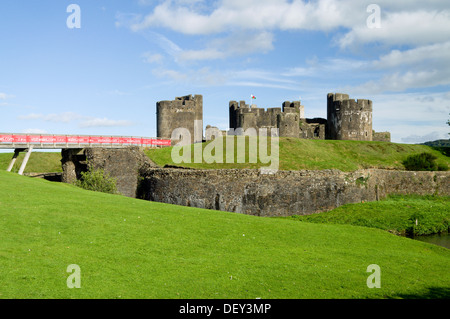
{"x":17,"y":151}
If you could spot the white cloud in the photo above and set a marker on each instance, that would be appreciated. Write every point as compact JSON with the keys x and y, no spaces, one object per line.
{"x":236,"y":44}
{"x":328,"y":66}
{"x":266,"y":85}
{"x":65,"y":117}
{"x":402,"y":22}
{"x":420,"y":67}
{"x":437,"y":54}
{"x":205,"y":54}
{"x":127,"y":19}
{"x":407,"y":115}
{"x":248,"y":77}
{"x":149,"y":57}
{"x":198,"y":77}
{"x":104,"y":122}
{"x":416,"y":139}
{"x":261,"y":78}
{"x":412,"y":107}
{"x":117,"y":93}
{"x":400,"y":82}
{"x":34,"y":131}
{"x":171,"y":74}
{"x":83,"y":121}
{"x":4,"y":96}
{"x":253,"y":15}
{"x":178,"y":18}
{"x":402,"y":28}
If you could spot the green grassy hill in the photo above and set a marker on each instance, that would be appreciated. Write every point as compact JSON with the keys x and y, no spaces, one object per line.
{"x":129,"y":248}
{"x":300,"y":154}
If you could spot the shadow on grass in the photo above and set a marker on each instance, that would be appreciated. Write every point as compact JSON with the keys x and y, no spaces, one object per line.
{"x":431,"y":293}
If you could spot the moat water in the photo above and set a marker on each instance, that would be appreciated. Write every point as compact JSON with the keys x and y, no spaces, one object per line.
{"x":436,"y":239}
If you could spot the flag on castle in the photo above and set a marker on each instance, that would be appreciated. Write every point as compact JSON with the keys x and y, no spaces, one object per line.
{"x":253,"y":97}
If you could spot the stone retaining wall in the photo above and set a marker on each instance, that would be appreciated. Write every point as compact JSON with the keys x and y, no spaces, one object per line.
{"x":286,"y":192}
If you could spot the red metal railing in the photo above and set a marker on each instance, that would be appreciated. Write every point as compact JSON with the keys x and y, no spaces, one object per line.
{"x":45,"y":139}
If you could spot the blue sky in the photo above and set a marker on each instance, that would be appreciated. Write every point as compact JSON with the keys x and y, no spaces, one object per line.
{"x":106,"y":76}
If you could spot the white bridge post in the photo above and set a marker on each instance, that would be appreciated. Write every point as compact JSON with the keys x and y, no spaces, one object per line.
{"x":25,"y":160}
{"x":13,"y":160}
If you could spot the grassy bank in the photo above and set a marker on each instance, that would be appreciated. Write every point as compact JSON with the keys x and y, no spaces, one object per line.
{"x":300,"y":154}
{"x":396,"y":214}
{"x":128,"y":248}
{"x":39,"y":162}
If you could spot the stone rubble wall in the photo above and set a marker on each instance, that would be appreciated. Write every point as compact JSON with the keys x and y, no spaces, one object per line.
{"x":286,"y":192}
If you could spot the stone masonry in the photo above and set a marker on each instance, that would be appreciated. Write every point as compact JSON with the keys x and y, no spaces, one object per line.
{"x":183,"y":112}
{"x":348,"y":119}
{"x":123,"y":164}
{"x":289,"y":119}
{"x":286,"y":192}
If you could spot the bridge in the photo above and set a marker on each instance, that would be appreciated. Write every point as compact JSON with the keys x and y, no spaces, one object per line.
{"x":29,"y":142}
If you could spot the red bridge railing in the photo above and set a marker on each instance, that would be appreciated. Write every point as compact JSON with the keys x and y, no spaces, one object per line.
{"x":62,"y":141}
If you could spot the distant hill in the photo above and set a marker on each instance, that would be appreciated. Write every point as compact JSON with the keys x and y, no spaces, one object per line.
{"x":438,"y":143}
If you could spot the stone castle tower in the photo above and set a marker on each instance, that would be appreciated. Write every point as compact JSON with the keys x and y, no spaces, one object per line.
{"x":183,"y":112}
{"x":348,"y":119}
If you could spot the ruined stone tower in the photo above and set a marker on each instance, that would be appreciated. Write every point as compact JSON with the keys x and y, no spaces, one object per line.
{"x":348,"y":119}
{"x":183,"y":112}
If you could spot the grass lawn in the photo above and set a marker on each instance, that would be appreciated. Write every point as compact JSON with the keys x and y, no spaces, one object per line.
{"x":129,"y":248}
{"x":39,"y":162}
{"x":300,"y":154}
{"x":397,"y":214}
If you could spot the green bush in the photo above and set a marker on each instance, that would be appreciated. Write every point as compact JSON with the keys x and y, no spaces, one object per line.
{"x":98,"y":181}
{"x":422,"y":162}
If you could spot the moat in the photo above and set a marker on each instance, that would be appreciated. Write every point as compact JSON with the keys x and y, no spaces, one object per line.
{"x":436,"y":239}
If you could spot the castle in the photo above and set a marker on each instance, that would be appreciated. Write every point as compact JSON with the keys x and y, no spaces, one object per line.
{"x":347,"y":119}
